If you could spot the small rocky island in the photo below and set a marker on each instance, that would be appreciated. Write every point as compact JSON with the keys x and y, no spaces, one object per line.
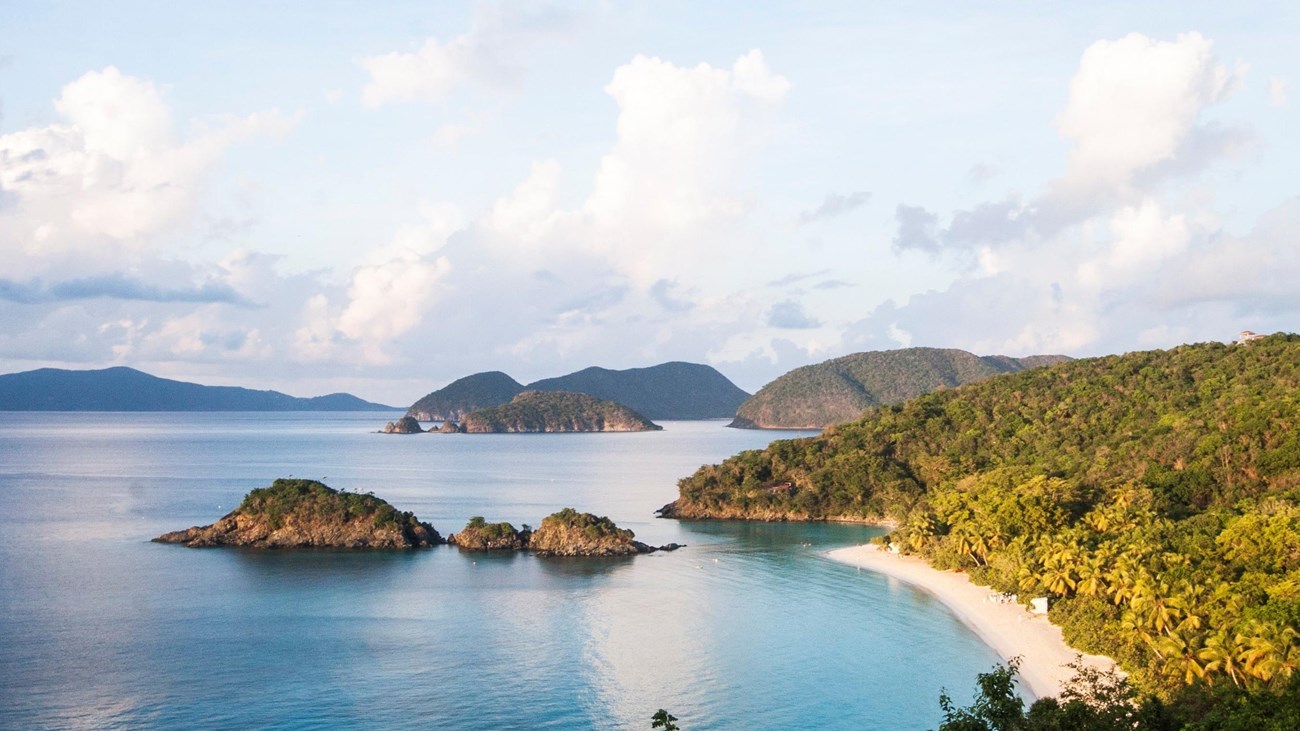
{"x":564,"y":533}
{"x":404,"y":425}
{"x":556,"y":411}
{"x":309,"y":514}
{"x":480,"y":535}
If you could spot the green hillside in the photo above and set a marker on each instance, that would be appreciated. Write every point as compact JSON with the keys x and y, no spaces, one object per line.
{"x":536,"y":411}
{"x":1154,"y":496}
{"x":840,"y":389}
{"x":463,"y":395}
{"x":665,"y":391}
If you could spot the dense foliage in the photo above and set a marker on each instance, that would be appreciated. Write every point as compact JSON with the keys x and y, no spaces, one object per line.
{"x":592,"y":527}
{"x":839,"y":390}
{"x":1096,"y":701}
{"x":535,"y":411}
{"x":1154,"y":496}
{"x":480,"y":535}
{"x":309,"y":499}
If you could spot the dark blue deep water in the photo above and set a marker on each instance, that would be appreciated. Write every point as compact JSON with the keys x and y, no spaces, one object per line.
{"x":750,"y":627}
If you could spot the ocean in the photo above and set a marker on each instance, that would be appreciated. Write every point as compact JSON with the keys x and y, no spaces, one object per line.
{"x":749,"y":627}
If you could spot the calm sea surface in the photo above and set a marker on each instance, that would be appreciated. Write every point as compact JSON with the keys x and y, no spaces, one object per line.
{"x":750,"y":627}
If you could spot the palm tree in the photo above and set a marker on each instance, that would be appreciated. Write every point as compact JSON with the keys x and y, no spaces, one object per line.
{"x":1181,"y":653}
{"x":1268,"y":651}
{"x":1221,"y":655}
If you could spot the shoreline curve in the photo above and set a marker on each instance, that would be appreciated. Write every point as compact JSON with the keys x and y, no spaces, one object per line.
{"x":1007,"y":628}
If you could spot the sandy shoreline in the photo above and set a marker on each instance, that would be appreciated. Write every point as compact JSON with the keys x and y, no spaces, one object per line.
{"x":1008,"y":628}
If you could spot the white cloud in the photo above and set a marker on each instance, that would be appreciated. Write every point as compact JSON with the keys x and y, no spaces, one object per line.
{"x":483,"y":56}
{"x":388,"y":299}
{"x":527,"y":217}
{"x":1124,"y":247}
{"x":120,"y":116}
{"x":1134,"y":102}
{"x":673,"y":173}
{"x":1277,"y":95}
{"x":110,"y":176}
{"x":1143,"y":237}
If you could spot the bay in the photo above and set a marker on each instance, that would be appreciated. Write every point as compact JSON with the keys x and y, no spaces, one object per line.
{"x":750,"y":626}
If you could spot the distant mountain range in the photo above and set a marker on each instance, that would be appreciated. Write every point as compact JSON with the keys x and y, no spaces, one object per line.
{"x":126,"y":389}
{"x":839,"y":390}
{"x":666,"y":391}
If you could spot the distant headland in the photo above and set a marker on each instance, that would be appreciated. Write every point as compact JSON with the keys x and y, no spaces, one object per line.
{"x":127,"y":389}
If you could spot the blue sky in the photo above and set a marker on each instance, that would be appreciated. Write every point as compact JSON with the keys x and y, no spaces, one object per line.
{"x":327,"y":196}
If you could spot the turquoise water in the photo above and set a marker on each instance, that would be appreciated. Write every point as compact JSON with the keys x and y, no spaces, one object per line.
{"x":750,"y":627}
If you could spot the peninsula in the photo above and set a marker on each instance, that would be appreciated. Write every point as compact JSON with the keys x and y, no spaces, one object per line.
{"x":1149,"y":497}
{"x":839,"y":390}
{"x":309,"y":514}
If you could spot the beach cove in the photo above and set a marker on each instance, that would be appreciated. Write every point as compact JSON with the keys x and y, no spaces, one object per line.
{"x":1009,"y":628}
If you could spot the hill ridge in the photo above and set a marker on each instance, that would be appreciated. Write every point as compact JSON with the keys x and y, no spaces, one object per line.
{"x":840,"y":389}
{"x":122,"y":388}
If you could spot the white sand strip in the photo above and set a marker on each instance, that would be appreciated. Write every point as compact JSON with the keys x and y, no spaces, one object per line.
{"x":1007,"y":627}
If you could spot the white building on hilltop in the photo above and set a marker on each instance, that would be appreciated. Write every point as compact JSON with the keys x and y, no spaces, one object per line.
{"x":1246,"y":336}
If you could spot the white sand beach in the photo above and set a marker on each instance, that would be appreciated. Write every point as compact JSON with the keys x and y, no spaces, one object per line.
{"x":1008,"y":628}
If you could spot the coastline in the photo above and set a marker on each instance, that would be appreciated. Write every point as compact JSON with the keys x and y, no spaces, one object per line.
{"x":1008,"y":628}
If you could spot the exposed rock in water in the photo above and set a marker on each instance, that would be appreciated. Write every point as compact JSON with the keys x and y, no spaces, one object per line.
{"x":557,"y":411}
{"x":309,"y":514}
{"x":404,"y":425}
{"x":451,"y":427}
{"x":480,"y":535}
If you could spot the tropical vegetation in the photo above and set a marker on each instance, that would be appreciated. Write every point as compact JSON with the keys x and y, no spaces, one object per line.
{"x":309,"y":499}
{"x":1154,"y":497}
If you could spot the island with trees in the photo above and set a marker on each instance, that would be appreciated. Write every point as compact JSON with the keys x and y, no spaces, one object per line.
{"x":309,"y":514}
{"x":559,"y":411}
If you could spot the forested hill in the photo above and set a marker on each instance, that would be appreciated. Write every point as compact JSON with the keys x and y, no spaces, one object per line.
{"x":556,"y":411}
{"x":667,"y":391}
{"x":463,"y":395}
{"x":1154,"y":496}
{"x":126,"y":389}
{"x":840,"y":389}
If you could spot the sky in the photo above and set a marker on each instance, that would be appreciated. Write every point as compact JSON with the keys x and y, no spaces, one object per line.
{"x":381,"y":198}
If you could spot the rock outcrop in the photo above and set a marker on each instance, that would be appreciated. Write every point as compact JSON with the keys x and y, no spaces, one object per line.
{"x":309,"y":514}
{"x":480,"y":535}
{"x":404,"y":425}
{"x":451,"y":427}
{"x":559,"y":411}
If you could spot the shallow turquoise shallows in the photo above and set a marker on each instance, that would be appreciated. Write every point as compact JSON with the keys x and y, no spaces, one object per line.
{"x":750,"y":627}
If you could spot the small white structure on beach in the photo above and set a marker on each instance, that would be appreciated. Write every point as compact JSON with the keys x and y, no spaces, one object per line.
{"x":893,"y":547}
{"x":1038,"y":605}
